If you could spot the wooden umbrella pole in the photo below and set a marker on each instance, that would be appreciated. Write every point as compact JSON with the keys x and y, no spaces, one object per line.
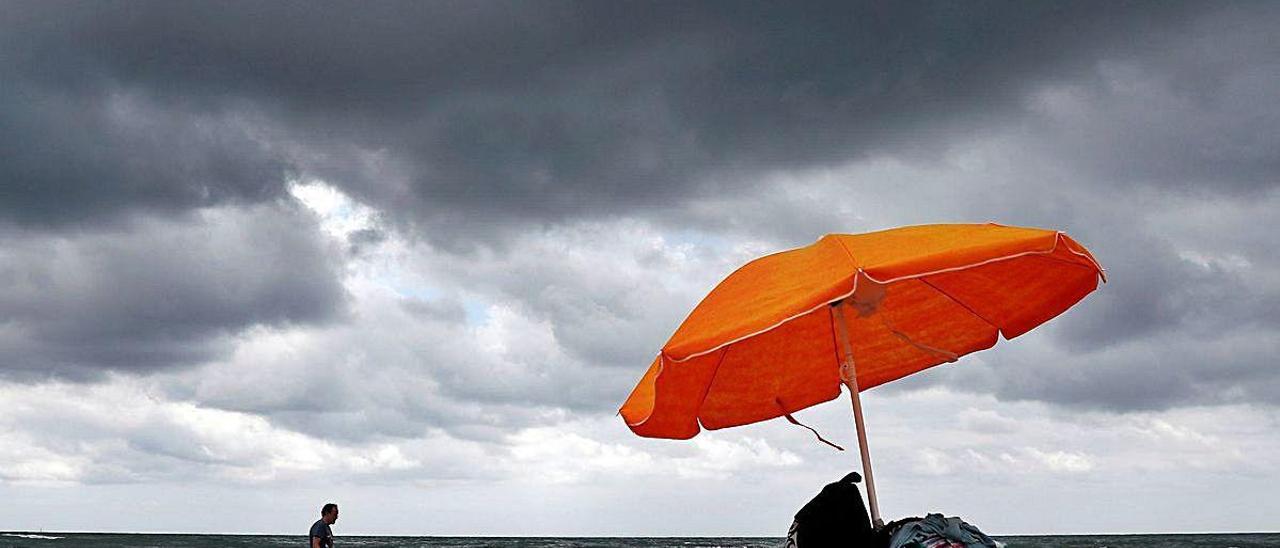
{"x":848,"y":374}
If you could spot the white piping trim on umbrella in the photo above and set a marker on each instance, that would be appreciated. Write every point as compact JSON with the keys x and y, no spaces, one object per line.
{"x":1057,"y":237}
{"x":767,"y":329}
{"x":1102,"y":272}
{"x":661,"y":363}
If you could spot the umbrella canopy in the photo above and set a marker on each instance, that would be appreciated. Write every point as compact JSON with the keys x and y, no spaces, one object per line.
{"x":766,"y":341}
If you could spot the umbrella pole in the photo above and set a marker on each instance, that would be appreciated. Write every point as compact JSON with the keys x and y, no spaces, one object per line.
{"x":850,"y":378}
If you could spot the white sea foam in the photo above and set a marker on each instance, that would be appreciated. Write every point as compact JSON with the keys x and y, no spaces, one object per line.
{"x":29,"y":535}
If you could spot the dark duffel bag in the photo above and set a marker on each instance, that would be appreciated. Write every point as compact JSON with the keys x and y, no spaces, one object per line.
{"x":837,"y":517}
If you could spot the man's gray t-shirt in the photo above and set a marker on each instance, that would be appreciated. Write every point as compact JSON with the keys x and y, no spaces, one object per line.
{"x":322,"y":530}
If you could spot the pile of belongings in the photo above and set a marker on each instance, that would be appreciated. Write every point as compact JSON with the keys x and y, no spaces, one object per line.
{"x":837,"y":517}
{"x":934,"y":531}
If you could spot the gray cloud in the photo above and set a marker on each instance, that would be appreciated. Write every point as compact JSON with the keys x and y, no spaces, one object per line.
{"x":1197,"y":118}
{"x":611,"y":292}
{"x":473,"y":345}
{"x":1159,"y":373}
{"x":159,"y":293}
{"x":84,"y":157}
{"x":465,"y":117}
{"x":721,"y":123}
{"x":1155,"y":291}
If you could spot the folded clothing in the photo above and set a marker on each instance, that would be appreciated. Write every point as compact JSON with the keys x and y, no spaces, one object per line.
{"x":936,"y":531}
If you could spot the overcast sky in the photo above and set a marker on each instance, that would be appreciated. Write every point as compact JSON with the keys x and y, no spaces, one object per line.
{"x":412,"y":257}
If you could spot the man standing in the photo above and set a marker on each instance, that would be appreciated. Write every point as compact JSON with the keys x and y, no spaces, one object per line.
{"x":321,"y":535}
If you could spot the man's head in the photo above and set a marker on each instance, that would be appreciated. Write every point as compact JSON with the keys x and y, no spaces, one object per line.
{"x":329,"y":513}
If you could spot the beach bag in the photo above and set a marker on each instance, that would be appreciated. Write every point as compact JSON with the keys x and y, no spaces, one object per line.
{"x":836,"y":517}
{"x":933,"y":531}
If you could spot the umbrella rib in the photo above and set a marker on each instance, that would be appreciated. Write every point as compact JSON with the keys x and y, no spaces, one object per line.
{"x":1071,"y":246}
{"x":852,"y":263}
{"x":949,"y":355}
{"x":962,"y":305}
{"x":767,"y":329}
{"x":697,"y":413}
{"x":1098,"y":270}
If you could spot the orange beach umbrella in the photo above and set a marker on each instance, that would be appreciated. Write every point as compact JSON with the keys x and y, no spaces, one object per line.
{"x":785,"y":331}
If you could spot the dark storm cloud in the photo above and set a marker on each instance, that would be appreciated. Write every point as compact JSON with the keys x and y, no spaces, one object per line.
{"x":460,"y":119}
{"x":1159,"y":373}
{"x":1193,"y":111}
{"x":84,"y":156}
{"x":158,"y":294}
{"x":1155,"y":291}
{"x":481,"y":114}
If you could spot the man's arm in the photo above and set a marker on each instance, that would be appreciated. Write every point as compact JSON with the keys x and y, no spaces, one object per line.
{"x":317,"y":536}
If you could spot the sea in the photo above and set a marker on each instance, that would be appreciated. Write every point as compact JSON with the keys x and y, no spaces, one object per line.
{"x":99,"y":540}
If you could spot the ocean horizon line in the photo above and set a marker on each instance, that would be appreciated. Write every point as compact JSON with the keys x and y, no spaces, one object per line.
{"x":611,"y":536}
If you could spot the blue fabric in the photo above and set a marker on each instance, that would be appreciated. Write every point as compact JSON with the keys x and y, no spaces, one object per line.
{"x":322,"y":530}
{"x":934,"y":525}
